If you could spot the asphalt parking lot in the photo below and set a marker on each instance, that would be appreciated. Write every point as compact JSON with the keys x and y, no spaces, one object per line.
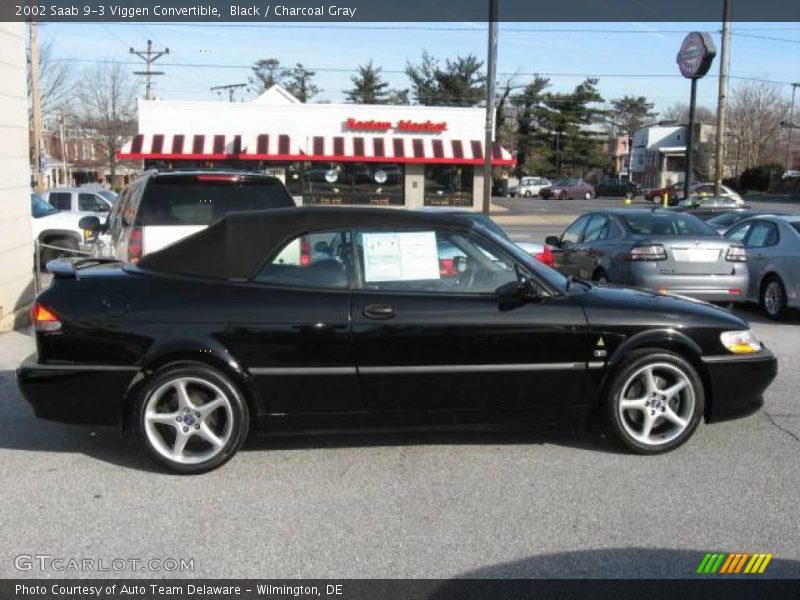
{"x":438,"y":505}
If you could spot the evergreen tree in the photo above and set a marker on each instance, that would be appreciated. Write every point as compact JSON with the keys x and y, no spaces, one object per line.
{"x":299,"y":81}
{"x":368,"y":86}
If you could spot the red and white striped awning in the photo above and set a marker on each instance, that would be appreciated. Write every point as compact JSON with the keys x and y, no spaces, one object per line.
{"x":316,"y":148}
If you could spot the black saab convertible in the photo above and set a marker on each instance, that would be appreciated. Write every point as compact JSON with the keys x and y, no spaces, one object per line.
{"x":310,"y":318}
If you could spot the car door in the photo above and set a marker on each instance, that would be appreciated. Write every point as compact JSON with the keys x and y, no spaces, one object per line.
{"x":564,"y":252}
{"x":290,"y":327}
{"x":762,"y":245}
{"x":429,"y":333}
{"x":586,"y":253}
{"x":738,"y":233}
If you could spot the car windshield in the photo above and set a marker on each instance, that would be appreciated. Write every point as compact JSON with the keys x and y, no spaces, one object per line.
{"x":679,"y":225}
{"x":183,"y":201}
{"x":725,"y":220}
{"x":40,"y":207}
{"x":108,"y":195}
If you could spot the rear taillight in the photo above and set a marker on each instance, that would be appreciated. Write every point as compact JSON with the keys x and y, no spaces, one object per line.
{"x":545,"y":256}
{"x":736,"y":254}
{"x":651,"y":252}
{"x":135,"y":245}
{"x":44,"y":319}
{"x":446,"y":268}
{"x":305,"y":252}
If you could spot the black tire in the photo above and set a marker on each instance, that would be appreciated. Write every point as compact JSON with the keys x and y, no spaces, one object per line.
{"x":564,"y":196}
{"x":627,"y":369}
{"x":528,"y":194}
{"x":238,"y":413}
{"x":600,"y":276}
{"x":68,"y":247}
{"x":773,"y":298}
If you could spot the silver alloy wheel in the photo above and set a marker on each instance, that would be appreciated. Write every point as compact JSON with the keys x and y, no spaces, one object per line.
{"x":656,"y":403}
{"x":773,"y":297}
{"x":188,"y":420}
{"x":588,"y":196}
{"x":656,"y":199}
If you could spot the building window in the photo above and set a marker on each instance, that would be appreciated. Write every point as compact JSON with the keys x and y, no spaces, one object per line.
{"x":376,"y":184}
{"x":448,"y":185}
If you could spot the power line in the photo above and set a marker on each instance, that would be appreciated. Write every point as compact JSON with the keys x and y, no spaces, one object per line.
{"x":230,"y":88}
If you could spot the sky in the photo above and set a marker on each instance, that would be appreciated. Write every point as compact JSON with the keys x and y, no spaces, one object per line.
{"x":628,"y":58}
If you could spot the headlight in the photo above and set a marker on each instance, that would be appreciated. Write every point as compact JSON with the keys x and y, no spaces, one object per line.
{"x":740,"y":342}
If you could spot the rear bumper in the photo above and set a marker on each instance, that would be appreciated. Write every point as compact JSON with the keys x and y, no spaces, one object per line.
{"x":87,"y":394}
{"x":711,"y":288}
{"x":737,"y":383}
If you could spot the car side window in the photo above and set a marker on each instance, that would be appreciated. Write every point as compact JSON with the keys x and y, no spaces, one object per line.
{"x":91,"y":203}
{"x":321,"y":260}
{"x":572,"y":235}
{"x":596,"y":229}
{"x":428,"y":261}
{"x":60,"y":200}
{"x":115,"y":216}
{"x":762,"y":235}
{"x":739,"y":232}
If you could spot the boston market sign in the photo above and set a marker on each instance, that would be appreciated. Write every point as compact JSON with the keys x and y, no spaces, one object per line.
{"x":402,"y":125}
{"x":696,"y":55}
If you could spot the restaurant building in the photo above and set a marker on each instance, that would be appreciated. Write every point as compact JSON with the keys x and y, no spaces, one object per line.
{"x":341,"y":154}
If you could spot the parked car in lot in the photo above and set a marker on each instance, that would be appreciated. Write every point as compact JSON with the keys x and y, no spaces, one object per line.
{"x":162,"y":207}
{"x":617,"y":187}
{"x":657,"y":249}
{"x":58,"y":230}
{"x":219,"y":335}
{"x":529,"y":186}
{"x":699,"y":189}
{"x":706,"y":207}
{"x":725,"y":220}
{"x":87,"y":201}
{"x":565,"y":189}
{"x":772,"y":243}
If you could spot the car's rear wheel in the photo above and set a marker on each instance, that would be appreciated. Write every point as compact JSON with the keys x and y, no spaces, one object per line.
{"x":773,"y":298}
{"x":587,"y":196}
{"x":657,"y":199}
{"x":600,"y":276}
{"x":528,"y":194}
{"x":564,"y":196}
{"x":190,"y":418}
{"x":655,"y":402}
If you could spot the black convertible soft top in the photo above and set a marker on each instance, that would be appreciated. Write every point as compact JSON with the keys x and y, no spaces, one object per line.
{"x":235,"y":246}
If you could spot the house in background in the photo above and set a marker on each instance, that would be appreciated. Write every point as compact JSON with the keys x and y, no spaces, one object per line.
{"x":658,"y":157}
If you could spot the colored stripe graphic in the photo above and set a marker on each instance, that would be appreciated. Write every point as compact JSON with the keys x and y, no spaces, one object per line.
{"x":758,"y":563}
{"x":711,"y":562}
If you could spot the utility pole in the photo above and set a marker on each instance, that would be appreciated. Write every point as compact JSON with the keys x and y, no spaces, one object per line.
{"x":231,"y":88}
{"x":149,"y":56}
{"x":789,"y":136}
{"x":63,"y":148}
{"x":36,"y":107}
{"x":722,"y":101}
{"x":491,"y":75}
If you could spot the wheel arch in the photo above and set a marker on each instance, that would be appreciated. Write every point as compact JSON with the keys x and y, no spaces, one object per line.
{"x":193,"y":353}
{"x":48,"y":234}
{"x":669,"y":340}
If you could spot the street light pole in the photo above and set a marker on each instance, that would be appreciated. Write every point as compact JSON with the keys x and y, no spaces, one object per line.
{"x":789,"y":137}
{"x":491,"y":75}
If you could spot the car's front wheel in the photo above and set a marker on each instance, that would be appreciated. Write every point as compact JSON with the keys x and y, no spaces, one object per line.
{"x":657,"y":200}
{"x":528,"y":193}
{"x":190,"y":418}
{"x":655,"y":401}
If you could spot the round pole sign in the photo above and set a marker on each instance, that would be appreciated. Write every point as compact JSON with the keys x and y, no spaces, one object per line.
{"x":696,"y":55}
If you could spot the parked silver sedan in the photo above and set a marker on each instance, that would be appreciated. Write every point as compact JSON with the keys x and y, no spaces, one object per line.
{"x":659,"y":249}
{"x":772,"y":243}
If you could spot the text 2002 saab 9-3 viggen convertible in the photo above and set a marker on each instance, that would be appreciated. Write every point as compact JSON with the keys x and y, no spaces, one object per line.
{"x":329,"y":317}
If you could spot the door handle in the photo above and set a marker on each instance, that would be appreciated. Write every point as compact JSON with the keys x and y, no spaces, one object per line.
{"x":379,"y":311}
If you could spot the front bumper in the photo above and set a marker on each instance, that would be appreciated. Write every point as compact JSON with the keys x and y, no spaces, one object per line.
{"x":87,"y":394}
{"x":737,"y":383}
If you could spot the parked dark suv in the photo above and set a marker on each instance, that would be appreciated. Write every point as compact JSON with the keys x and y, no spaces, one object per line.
{"x":162,"y":207}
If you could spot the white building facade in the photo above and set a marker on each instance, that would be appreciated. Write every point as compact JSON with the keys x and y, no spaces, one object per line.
{"x":341,"y":154}
{"x":16,"y":246}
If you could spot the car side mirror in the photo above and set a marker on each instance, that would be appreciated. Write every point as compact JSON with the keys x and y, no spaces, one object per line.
{"x":552,"y":240}
{"x":516,"y":293}
{"x":91,"y":224}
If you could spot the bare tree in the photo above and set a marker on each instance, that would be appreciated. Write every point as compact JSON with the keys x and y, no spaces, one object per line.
{"x":56,"y":82}
{"x":679,"y":112}
{"x":754,"y":115}
{"x":107,"y":107}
